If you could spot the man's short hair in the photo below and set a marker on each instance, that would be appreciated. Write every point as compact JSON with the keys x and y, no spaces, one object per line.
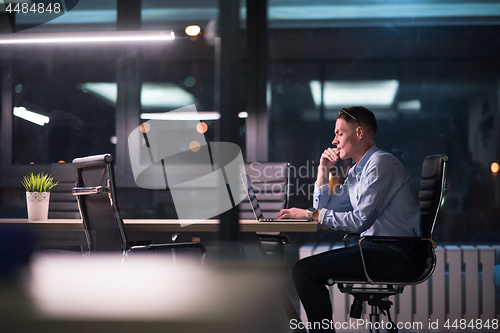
{"x":359,"y":115}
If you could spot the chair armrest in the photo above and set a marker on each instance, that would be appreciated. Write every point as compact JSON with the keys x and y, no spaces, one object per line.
{"x":90,"y":190}
{"x":392,"y":238}
{"x":401,"y":240}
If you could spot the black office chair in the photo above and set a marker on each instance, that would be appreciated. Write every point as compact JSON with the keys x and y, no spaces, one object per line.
{"x":63,"y":205}
{"x":432,"y":187}
{"x":271,"y":182}
{"x":104,"y":228}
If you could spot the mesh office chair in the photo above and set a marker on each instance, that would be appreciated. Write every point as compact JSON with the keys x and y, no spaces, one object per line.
{"x":104,"y":228}
{"x":432,"y":187}
{"x":270,"y":180}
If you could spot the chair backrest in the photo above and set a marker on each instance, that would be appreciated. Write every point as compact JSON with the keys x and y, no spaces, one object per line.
{"x":270,"y":181}
{"x":432,"y":186}
{"x":63,"y":204}
{"x":96,"y":192}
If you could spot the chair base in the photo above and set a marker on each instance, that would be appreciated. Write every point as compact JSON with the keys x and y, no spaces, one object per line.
{"x":377,"y":298}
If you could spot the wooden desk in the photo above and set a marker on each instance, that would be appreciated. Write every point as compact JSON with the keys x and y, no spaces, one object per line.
{"x":70,"y":232}
{"x":148,"y":225}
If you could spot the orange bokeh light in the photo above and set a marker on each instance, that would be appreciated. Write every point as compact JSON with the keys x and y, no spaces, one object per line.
{"x":145,"y":127}
{"x":494,"y":167}
{"x":201,"y":127}
{"x":194,"y":146}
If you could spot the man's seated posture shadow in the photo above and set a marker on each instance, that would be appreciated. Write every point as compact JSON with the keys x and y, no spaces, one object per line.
{"x":375,"y":199}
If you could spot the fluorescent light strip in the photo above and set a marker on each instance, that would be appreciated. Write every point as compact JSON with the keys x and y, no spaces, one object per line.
{"x":31,"y":116}
{"x":153,"y":95}
{"x":378,"y":11}
{"x":412,"y":106}
{"x":201,"y":115}
{"x":316,"y":91}
{"x":95,"y":38}
{"x":379,"y":93}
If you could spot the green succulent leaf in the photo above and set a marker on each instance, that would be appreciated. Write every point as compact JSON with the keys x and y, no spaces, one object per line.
{"x":38,"y":183}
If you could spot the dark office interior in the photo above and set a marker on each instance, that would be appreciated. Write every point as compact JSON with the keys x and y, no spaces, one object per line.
{"x":446,"y":66}
{"x":429,"y":70}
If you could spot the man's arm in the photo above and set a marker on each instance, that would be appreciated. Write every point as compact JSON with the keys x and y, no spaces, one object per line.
{"x":322,"y":201}
{"x":379,"y":183}
{"x":329,"y":157}
{"x":339,"y":201}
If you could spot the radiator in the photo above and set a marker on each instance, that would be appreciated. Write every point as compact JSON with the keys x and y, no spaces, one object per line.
{"x":461,"y":289}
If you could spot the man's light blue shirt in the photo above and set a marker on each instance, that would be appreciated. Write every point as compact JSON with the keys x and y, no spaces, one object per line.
{"x":375,"y":199}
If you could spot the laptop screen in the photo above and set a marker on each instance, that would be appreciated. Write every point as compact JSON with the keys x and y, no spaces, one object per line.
{"x":252,"y":197}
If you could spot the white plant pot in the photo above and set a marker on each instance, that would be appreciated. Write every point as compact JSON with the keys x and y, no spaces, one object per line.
{"x":38,"y":205}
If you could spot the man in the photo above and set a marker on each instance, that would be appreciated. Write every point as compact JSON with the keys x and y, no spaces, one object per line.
{"x":375,"y":199}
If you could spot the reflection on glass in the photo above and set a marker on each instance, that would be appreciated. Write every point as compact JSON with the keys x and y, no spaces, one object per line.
{"x":430,"y":75}
{"x":153,"y":95}
{"x":30,"y":116}
{"x":47,"y":84}
{"x":337,"y":94}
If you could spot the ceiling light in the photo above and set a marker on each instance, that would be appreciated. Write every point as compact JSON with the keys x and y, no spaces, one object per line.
{"x":364,"y":11}
{"x":95,"y":37}
{"x":494,"y":167}
{"x":192,"y":30}
{"x":153,"y":95}
{"x":336,"y":94}
{"x":243,"y":114}
{"x":412,"y":106}
{"x":316,"y":92}
{"x":176,"y":115}
{"x":31,"y":116}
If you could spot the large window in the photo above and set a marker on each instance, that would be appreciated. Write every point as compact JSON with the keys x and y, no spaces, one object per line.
{"x":91,"y":96}
{"x":61,"y":85}
{"x":430,"y":76}
{"x":428,"y":69}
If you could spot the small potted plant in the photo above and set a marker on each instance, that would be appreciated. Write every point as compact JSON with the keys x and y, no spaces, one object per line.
{"x":37,"y":195}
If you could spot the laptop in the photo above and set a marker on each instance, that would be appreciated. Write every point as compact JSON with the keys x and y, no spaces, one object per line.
{"x":254,"y":203}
